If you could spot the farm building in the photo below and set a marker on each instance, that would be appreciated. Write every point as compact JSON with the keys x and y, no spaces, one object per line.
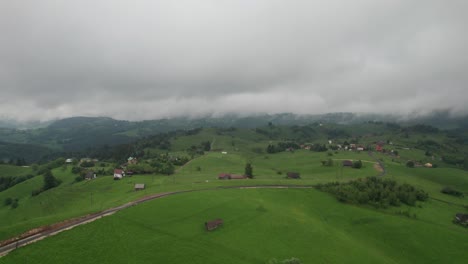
{"x":118,"y":174}
{"x":293,"y":175}
{"x":212,"y":225}
{"x":347,"y":163}
{"x":428,"y":165}
{"x":461,"y":219}
{"x":69,"y":161}
{"x":132,"y":160}
{"x":90,"y":175}
{"x":228,"y":176}
{"x":139,"y":186}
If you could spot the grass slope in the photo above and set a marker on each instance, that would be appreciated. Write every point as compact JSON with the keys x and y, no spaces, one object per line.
{"x":260,"y":224}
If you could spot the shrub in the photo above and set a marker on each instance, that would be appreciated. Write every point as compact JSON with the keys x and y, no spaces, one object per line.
{"x":410,"y":164}
{"x":451,"y":191}
{"x":357,"y":164}
{"x":8,"y":201}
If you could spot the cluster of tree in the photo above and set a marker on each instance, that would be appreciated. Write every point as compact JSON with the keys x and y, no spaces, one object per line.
{"x":282,"y":146}
{"x":319,"y":148}
{"x":357,"y":164}
{"x":336,"y":133}
{"x":248,"y":171}
{"x":17,"y":162}
{"x":10,"y":181}
{"x":13,"y":203}
{"x":374,"y":191}
{"x":199,"y":149}
{"x":457,"y":161}
{"x":44,"y":168}
{"x":49,"y":182}
{"x":327,"y":163}
{"x":420,"y":128}
{"x":451,"y":191}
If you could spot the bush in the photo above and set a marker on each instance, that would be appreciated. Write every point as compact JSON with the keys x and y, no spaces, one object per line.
{"x":14,"y":204}
{"x":357,"y":164}
{"x":79,"y":178}
{"x":8,"y":201}
{"x":451,"y":191}
{"x":410,"y":164}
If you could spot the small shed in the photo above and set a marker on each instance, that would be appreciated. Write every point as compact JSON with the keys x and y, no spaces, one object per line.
{"x":139,"y":186}
{"x":461,"y":218}
{"x":293,"y":175}
{"x":90,"y":175}
{"x":347,"y":163}
{"x":228,"y":176}
{"x":212,"y":225}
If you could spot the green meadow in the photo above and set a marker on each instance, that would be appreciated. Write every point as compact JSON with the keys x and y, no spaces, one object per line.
{"x":259,"y":224}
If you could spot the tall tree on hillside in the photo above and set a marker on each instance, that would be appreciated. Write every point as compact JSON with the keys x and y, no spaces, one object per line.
{"x":50,"y":181}
{"x":248,"y":170}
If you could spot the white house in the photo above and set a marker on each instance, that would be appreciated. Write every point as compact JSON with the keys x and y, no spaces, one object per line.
{"x":118,"y":174}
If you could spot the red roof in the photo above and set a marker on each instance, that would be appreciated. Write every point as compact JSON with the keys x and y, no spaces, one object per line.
{"x":118,"y":171}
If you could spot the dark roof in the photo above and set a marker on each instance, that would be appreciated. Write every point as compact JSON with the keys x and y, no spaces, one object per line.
{"x":89,"y":175}
{"x":211,"y":225}
{"x":294,"y":175}
{"x":461,"y":217}
{"x":231,"y":176}
{"x":347,"y":163}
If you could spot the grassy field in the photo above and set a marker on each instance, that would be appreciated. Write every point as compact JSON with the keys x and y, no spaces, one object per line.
{"x":259,"y":224}
{"x":73,"y":199}
{"x":12,"y":170}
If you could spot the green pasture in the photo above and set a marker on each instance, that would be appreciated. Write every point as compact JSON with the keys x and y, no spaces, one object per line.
{"x":12,"y":170}
{"x":259,"y":224}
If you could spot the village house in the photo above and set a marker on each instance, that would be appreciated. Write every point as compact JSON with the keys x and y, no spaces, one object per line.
{"x":139,"y":186}
{"x":461,"y":219}
{"x":212,"y":225}
{"x":90,"y":175}
{"x":379,"y":146}
{"x":132,"y":161}
{"x":347,"y":163}
{"x":69,"y":160}
{"x":428,"y":165}
{"x":119,"y":174}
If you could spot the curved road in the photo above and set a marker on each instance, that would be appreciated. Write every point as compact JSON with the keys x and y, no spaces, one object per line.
{"x":5,"y":249}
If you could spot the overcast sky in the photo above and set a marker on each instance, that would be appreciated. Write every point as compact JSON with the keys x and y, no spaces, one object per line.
{"x":153,"y":59}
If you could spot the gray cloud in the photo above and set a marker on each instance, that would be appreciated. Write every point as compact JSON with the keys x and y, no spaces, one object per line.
{"x":152,"y":59}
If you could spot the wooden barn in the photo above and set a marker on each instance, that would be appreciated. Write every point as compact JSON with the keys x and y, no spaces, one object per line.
{"x":139,"y":186}
{"x":212,"y":225}
{"x":347,"y":163}
{"x":293,"y":175}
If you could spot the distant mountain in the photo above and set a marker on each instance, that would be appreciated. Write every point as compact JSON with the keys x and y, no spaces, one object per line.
{"x":80,"y":133}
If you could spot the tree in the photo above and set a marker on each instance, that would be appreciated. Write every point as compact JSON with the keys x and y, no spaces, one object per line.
{"x":50,"y":181}
{"x":357,"y":164}
{"x":410,"y":164}
{"x":248,"y":170}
